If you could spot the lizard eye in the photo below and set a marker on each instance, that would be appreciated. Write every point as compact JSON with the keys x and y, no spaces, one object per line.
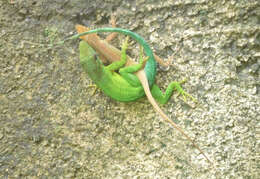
{"x":95,"y":56}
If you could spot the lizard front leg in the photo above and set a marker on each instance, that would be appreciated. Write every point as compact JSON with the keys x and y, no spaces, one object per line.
{"x":119,"y":64}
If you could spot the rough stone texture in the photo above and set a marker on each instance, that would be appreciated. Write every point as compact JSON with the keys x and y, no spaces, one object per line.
{"x":51,"y":126}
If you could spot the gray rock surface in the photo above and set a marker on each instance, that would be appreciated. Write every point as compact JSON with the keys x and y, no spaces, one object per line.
{"x":51,"y":126}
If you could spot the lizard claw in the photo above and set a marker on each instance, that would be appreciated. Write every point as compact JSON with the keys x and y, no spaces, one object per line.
{"x":182,"y":92}
{"x":125,"y":43}
{"x":143,"y":59}
{"x":95,"y":88}
{"x":185,"y":94}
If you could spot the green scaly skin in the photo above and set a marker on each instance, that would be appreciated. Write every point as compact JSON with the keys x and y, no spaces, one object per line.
{"x":150,"y":67}
{"x":131,"y":89}
{"x":105,"y":77}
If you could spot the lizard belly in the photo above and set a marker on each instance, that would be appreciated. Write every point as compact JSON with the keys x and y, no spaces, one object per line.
{"x":119,"y":89}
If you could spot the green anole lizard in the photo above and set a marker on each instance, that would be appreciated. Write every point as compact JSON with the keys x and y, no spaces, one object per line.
{"x":125,"y":87}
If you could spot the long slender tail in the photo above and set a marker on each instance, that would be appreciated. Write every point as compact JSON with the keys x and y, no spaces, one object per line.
{"x":164,"y":116}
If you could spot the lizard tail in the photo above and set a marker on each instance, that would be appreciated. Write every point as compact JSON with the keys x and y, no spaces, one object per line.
{"x":164,"y":116}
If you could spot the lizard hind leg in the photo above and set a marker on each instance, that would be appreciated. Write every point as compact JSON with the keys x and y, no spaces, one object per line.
{"x":113,"y":34}
{"x":164,"y":97}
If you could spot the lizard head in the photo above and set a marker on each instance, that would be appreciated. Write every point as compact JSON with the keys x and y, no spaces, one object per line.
{"x":90,"y":61}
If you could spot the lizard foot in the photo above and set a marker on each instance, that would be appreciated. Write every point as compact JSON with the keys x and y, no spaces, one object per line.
{"x":95,"y":88}
{"x":143,"y":59}
{"x":125,"y":44}
{"x":143,"y":62}
{"x":184,"y":94}
{"x":113,"y":35}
